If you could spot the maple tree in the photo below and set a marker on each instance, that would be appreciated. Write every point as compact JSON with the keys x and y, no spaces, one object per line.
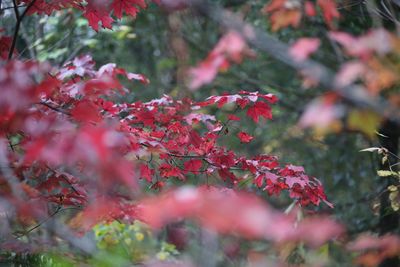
{"x":69,"y":143}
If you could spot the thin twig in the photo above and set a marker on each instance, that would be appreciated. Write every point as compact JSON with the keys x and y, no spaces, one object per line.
{"x":54,"y":108}
{"x":19,"y":17}
{"x":39,"y":224}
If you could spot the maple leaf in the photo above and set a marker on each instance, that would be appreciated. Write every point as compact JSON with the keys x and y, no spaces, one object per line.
{"x":230,"y":48}
{"x":48,"y":7}
{"x":303,"y":48}
{"x":329,"y":11}
{"x":349,"y":73}
{"x":271,"y":176}
{"x":97,"y":13}
{"x":146,"y":173}
{"x":232,"y":117}
{"x":321,"y":113}
{"x":82,"y":65}
{"x":167,"y":171}
{"x":86,"y":111}
{"x":245,"y":137}
{"x":140,"y":77}
{"x":205,"y":72}
{"x":378,"y":41}
{"x":259,"y":109}
{"x":193,"y":165}
{"x":284,"y":18}
{"x":130,"y":7}
{"x":283,"y":14}
{"x":259,"y":180}
{"x":18,"y":83}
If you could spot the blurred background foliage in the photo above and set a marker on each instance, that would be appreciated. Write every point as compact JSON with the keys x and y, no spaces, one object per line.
{"x":163,"y":45}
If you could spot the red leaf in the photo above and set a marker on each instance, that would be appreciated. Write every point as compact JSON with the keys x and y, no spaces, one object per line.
{"x":329,"y":11}
{"x":86,"y":111}
{"x":193,"y":165}
{"x":5,"y":44}
{"x":259,"y":109}
{"x":146,"y":173}
{"x":47,"y":7}
{"x":230,"y":48}
{"x":259,"y":181}
{"x":168,"y":171}
{"x":244,"y":137}
{"x":233,"y":117}
{"x":130,"y":7}
{"x":96,"y":12}
{"x":309,"y":9}
{"x":140,"y":77}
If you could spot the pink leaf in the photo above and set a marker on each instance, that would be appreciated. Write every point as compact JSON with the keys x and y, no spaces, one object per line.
{"x":303,"y":48}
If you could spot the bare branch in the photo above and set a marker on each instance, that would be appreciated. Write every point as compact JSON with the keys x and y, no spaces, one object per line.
{"x":19,"y":17}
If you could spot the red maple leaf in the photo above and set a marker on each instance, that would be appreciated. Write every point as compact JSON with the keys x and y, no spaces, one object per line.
{"x":146,"y":173}
{"x":167,"y":171}
{"x":130,"y":7}
{"x":245,"y":137}
{"x":259,"y":109}
{"x":86,"y":111}
{"x":98,"y":13}
{"x":193,"y":165}
{"x":259,"y":180}
{"x":329,"y":11}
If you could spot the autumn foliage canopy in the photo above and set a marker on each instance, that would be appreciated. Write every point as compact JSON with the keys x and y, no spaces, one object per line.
{"x":69,"y":141}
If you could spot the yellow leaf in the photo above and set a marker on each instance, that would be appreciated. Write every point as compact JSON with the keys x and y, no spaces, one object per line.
{"x":392,"y":188}
{"x":384,"y":173}
{"x":364,"y":121}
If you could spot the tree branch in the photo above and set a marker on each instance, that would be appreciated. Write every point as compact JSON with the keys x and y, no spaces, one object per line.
{"x":355,"y":94}
{"x":19,"y":17}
